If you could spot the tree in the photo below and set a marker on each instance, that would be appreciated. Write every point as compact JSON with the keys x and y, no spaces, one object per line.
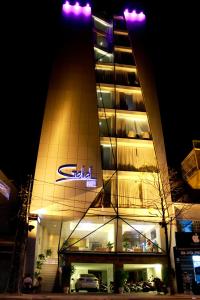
{"x":121,"y":277}
{"x":161,"y":206}
{"x":67,"y":272}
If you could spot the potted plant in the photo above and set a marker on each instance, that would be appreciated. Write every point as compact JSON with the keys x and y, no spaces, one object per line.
{"x":39,"y":263}
{"x":126,"y":245}
{"x":67,"y":271}
{"x":110,"y":246}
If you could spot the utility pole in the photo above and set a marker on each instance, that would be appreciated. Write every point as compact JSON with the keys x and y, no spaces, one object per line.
{"x":21,"y":237}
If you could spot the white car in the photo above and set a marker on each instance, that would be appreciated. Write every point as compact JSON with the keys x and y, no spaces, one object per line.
{"x":87,"y":282}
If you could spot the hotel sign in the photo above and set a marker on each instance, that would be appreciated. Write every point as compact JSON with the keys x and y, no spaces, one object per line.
{"x":76,"y":175}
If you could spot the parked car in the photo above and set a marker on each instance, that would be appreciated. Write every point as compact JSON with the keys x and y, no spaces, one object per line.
{"x":87,"y":282}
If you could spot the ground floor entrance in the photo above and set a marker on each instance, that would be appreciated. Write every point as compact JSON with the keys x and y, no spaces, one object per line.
{"x":140,"y":270}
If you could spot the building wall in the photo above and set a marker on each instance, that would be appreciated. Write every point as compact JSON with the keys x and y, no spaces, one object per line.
{"x":70,"y":135}
{"x":70,"y":132}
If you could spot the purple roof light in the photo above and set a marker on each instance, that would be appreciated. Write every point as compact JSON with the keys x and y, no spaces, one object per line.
{"x":67,"y":7}
{"x":87,"y":9}
{"x":76,"y":9}
{"x":134,"y":16}
{"x":141,"y":16}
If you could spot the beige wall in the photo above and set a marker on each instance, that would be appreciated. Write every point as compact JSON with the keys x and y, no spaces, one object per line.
{"x":70,"y":127}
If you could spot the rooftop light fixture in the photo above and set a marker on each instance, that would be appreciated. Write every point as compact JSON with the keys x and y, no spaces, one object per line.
{"x":76,"y":9}
{"x":134,"y":16}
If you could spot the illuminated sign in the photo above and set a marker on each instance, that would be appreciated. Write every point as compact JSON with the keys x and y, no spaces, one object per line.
{"x":187,"y":239}
{"x":76,"y":175}
{"x":4,"y":190}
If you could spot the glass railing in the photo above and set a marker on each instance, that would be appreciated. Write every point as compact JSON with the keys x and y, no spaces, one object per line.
{"x":103,"y":57}
{"x":119,"y":25}
{"x":131,"y":129}
{"x":118,"y":78}
{"x":124,"y":58}
{"x":101,"y":25}
{"x":128,"y":158}
{"x":120,"y":101}
{"x":104,"y":42}
{"x":122,"y":40}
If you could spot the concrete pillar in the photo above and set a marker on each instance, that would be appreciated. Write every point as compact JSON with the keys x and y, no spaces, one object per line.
{"x":30,"y":252}
{"x":118,"y":234}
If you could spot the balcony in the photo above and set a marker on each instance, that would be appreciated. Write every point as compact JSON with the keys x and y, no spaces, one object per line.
{"x":120,"y":78}
{"x":191,"y":166}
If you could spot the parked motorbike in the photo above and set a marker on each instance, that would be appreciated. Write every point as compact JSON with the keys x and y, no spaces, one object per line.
{"x":160,"y":286}
{"x":103,"y":288}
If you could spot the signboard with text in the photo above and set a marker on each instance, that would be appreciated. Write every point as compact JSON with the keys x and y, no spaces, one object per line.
{"x":69,"y":172}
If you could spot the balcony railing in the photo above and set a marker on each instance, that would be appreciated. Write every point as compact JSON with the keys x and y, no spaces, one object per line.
{"x":120,"y":78}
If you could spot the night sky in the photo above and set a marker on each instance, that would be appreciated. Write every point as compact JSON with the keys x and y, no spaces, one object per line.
{"x":28,"y":44}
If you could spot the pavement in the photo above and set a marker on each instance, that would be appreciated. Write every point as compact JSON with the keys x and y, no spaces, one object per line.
{"x":90,"y":296}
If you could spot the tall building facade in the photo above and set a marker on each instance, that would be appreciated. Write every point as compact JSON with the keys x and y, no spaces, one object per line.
{"x":101,"y":189}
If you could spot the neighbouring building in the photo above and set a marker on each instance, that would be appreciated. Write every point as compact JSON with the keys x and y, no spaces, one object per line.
{"x":101,"y":175}
{"x":187,"y":250}
{"x":191,"y":166}
{"x":8,"y":221}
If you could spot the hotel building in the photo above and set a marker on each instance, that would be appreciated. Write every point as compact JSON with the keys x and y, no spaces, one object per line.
{"x":101,"y":175}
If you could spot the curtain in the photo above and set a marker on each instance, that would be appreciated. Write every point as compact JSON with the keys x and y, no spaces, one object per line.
{"x":129,"y":193}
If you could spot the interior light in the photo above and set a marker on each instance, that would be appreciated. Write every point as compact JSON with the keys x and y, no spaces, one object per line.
{"x":196,"y":258}
{"x":41,"y":211}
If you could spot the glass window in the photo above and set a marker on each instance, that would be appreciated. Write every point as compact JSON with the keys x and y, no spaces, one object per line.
{"x":137,"y":237}
{"x":91,"y":234}
{"x":102,"y":41}
{"x":124,"y":58}
{"x":101,"y":26}
{"x":107,"y":126}
{"x":103,"y":57}
{"x":105,"y":99}
{"x":108,"y":157}
{"x":122,"y":40}
{"x":185,"y":225}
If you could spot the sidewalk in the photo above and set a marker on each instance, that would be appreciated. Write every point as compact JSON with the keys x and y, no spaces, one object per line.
{"x":90,"y":296}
